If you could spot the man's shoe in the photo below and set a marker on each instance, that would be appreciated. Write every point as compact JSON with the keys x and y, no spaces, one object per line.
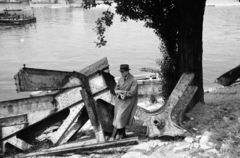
{"x":117,"y":137}
{"x":107,"y":138}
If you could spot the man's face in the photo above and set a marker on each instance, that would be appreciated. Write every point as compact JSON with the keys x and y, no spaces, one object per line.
{"x":124,"y":73}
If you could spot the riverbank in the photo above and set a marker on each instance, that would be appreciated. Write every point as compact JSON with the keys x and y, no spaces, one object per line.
{"x":213,"y":132}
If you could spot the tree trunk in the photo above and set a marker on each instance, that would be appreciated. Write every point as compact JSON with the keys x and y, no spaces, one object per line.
{"x":190,"y":42}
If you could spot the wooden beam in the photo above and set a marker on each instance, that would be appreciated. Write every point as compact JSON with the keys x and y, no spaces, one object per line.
{"x":81,"y":148}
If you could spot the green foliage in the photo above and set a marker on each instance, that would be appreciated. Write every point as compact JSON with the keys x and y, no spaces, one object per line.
{"x":162,"y":16}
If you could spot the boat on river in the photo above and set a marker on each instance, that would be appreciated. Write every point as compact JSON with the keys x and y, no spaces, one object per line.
{"x":16,"y":17}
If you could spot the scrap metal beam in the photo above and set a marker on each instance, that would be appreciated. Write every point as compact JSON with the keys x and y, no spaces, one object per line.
{"x":13,"y":120}
{"x":30,"y":79}
{"x":68,"y":101}
{"x":75,"y":111}
{"x":229,"y":77}
{"x":13,"y":140}
{"x":26,"y":105}
{"x":92,"y":113}
{"x":62,"y":150}
{"x":165,"y":121}
{"x":82,"y":119}
{"x":20,"y":144}
{"x":100,"y":65}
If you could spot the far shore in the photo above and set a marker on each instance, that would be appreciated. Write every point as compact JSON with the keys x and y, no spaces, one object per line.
{"x":79,"y":5}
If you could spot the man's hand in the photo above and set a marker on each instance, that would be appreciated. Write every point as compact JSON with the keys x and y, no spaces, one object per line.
{"x":120,"y":92}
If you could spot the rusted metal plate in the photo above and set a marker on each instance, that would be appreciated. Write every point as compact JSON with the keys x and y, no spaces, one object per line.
{"x":6,"y":131}
{"x":26,"y":106}
{"x":97,"y":84}
{"x":97,"y":66}
{"x":106,"y":96}
{"x":68,"y":97}
{"x":13,"y":120}
{"x":29,"y":79}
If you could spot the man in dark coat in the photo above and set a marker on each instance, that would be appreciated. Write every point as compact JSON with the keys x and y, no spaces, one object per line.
{"x":126,"y":102}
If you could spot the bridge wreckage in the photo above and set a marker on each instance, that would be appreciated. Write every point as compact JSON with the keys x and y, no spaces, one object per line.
{"x":73,"y":98}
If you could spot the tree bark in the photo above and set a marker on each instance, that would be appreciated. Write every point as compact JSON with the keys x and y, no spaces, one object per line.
{"x":190,"y":42}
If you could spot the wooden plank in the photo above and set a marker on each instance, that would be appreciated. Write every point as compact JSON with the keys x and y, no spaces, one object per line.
{"x":81,"y":148}
{"x":229,"y":77}
{"x":26,"y":105}
{"x":13,"y":120}
{"x":92,"y":113}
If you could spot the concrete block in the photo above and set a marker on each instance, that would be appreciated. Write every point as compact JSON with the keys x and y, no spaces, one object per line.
{"x":189,"y":139}
{"x":181,"y":148}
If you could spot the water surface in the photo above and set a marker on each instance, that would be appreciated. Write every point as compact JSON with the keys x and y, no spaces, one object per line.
{"x":63,"y":39}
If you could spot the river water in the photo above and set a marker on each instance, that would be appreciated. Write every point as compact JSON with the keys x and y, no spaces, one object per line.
{"x":63,"y":39}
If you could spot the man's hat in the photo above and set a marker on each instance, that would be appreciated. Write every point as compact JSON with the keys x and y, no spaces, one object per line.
{"x":124,"y":67}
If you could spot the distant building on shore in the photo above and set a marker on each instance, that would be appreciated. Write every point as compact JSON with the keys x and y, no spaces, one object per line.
{"x":14,"y":5}
{"x":55,"y":1}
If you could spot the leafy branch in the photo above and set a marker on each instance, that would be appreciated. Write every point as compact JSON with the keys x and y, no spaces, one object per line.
{"x":105,"y":21}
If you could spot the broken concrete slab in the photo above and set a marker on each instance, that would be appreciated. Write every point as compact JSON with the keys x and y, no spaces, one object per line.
{"x":204,"y":141}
